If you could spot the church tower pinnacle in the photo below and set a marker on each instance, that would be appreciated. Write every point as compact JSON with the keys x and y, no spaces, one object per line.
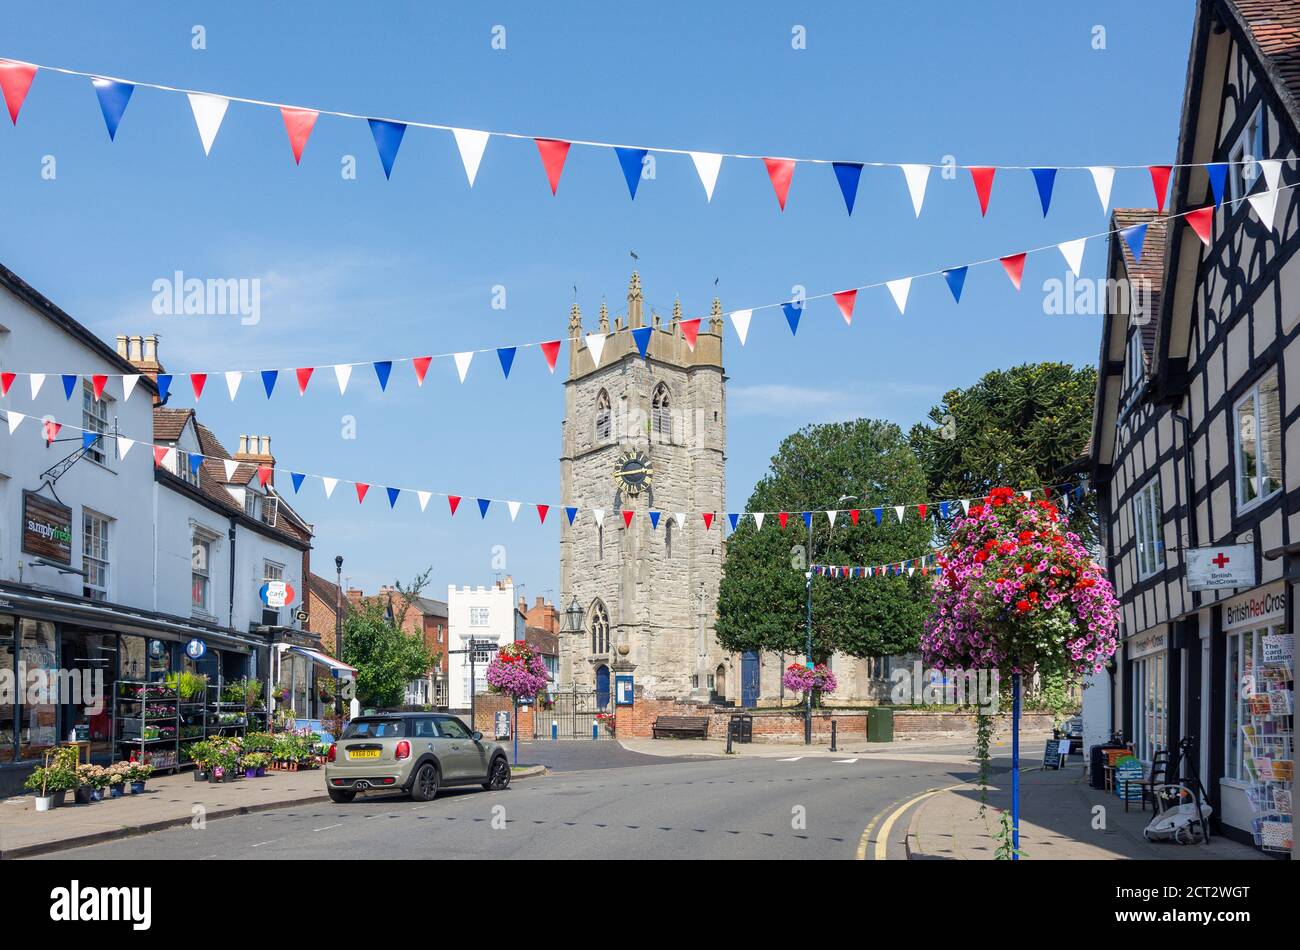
{"x":635,"y":317}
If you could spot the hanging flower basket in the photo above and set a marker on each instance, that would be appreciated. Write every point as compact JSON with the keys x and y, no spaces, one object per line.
{"x":518,"y":672}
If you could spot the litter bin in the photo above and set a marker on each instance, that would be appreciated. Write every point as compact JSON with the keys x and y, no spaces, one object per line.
{"x":880,"y":724}
{"x":742,"y":728}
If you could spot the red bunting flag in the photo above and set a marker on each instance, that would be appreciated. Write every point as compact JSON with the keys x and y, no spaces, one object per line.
{"x":1200,"y":221}
{"x":15,"y":80}
{"x":97,"y":383}
{"x":845,"y":300}
{"x":921,"y":510}
{"x":783,"y":517}
{"x":1014,"y":265}
{"x":551,"y":351}
{"x":159,"y":452}
{"x":853,"y":513}
{"x":304,"y":377}
{"x":263,"y":475}
{"x":708,"y":515}
{"x":197,"y":382}
{"x":421,"y":366}
{"x":627,"y":518}
{"x":553,"y":153}
{"x":298,"y":123}
{"x":691,"y":330}
{"x":1160,"y":182}
{"x":541,"y":513}
{"x":52,"y":430}
{"x":454,"y":502}
{"x":983,"y":179}
{"x":6,"y":380}
{"x":781,"y":171}
{"x":362,"y":488}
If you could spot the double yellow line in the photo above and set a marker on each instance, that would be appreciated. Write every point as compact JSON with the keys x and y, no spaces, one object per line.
{"x":898,"y":807}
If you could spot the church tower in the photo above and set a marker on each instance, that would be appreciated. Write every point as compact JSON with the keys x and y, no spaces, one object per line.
{"x":644,"y":435}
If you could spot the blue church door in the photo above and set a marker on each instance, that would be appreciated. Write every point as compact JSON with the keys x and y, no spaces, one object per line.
{"x":602,"y":687}
{"x":749,"y":679}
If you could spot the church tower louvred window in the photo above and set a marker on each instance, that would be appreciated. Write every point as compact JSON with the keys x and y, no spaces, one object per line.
{"x":661,"y":416}
{"x":603,"y":418}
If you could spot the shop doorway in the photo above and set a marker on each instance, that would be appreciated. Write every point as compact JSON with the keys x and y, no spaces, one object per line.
{"x":87,"y":671}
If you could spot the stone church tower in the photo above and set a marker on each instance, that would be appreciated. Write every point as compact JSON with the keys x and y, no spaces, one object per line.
{"x":641,"y":436}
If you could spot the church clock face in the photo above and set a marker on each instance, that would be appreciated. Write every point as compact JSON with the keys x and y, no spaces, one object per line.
{"x":633,"y":472}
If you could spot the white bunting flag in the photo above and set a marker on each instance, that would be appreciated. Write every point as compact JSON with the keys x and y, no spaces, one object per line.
{"x":680,"y":516}
{"x":424,"y":497}
{"x":898,"y":290}
{"x":1029,"y":494}
{"x":1072,"y":251}
{"x":462,"y":363}
{"x":15,"y":420}
{"x":596,"y":343}
{"x":208,"y":113}
{"x":599,"y":515}
{"x":230,"y":466}
{"x":514,"y":509}
{"x":128,"y":385}
{"x":37,"y":380}
{"x":169,"y":461}
{"x":758,"y":520}
{"x":707,"y":165}
{"x":124,"y":445}
{"x":1265,"y":202}
{"x":831,"y":515}
{"x":329,"y":484}
{"x":233,"y":379}
{"x":1103,"y":177}
{"x":917,"y":176}
{"x":1272,"y":169}
{"x":898,"y":510}
{"x":343,"y":373}
{"x":740,"y":320}
{"x":471,"y":144}
{"x":911,"y":571}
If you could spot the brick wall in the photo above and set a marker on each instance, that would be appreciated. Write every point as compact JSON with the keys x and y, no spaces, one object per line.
{"x":486,"y":707}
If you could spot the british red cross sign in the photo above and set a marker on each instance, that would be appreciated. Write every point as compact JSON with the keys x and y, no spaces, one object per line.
{"x":1230,"y":566}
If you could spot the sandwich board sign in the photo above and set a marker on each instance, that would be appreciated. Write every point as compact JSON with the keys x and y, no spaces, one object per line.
{"x":1230,"y":565}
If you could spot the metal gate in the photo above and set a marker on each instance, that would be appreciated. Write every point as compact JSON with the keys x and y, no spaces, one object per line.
{"x":574,"y":715}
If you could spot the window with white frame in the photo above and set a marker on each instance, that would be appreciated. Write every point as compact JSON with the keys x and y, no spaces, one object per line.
{"x":478,"y":616}
{"x":252,"y":503}
{"x":1136,"y":357}
{"x":1243,"y":157}
{"x":1151,"y":713}
{"x":1244,"y":655}
{"x":271,"y":571}
{"x":95,"y":530}
{"x":188,"y":465}
{"x":1259,"y":443}
{"x":201,"y":545}
{"x":1148,"y":529}
{"x":94,"y":418}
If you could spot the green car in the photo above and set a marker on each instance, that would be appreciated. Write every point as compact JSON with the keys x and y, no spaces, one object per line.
{"x":415,"y":753}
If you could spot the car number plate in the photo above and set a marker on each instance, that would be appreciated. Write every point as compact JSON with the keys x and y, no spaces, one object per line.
{"x":364,"y":754}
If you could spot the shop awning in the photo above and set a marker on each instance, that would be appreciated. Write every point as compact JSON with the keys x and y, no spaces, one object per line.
{"x":337,"y":669}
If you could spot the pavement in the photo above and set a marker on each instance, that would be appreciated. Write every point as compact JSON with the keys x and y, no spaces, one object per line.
{"x":1059,"y":820}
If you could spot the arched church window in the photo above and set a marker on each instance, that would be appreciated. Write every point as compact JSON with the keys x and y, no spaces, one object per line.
{"x":603,"y":416}
{"x":599,"y":627}
{"x":661,"y":414}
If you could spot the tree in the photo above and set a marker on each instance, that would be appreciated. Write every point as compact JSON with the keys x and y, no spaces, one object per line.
{"x":1019,"y":427}
{"x":761,"y":602}
{"x":385,"y":655}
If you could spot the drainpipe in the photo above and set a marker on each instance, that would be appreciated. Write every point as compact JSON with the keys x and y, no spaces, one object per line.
{"x":230,"y":622}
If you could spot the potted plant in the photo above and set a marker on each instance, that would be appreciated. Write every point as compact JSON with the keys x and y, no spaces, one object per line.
{"x":200,"y":754}
{"x":254,"y":764}
{"x":41,"y":784}
{"x":137,"y":773}
{"x":116,"y":780}
{"x":95,"y":778}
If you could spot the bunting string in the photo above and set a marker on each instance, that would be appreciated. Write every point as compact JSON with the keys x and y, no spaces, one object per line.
{"x":924,"y":564}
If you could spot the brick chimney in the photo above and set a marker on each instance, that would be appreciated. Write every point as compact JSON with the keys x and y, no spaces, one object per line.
{"x":256,"y":450}
{"x":142,"y":353}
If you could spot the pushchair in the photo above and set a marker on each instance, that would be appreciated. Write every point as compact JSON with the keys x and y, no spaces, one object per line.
{"x":1182,"y":814}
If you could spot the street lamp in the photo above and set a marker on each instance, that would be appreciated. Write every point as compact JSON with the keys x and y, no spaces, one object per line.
{"x":573,"y":617}
{"x":808,"y":576}
{"x":338,"y":631}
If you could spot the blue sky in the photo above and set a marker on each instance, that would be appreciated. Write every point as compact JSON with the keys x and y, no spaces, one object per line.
{"x":367,"y":268}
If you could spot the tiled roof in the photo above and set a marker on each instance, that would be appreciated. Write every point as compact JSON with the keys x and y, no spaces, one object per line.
{"x":168,"y":424}
{"x":429,"y":607}
{"x":1275,"y":27}
{"x":327,"y":592}
{"x":1152,"y":266}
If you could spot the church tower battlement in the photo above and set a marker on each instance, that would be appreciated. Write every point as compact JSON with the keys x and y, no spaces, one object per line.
{"x":642,"y":435}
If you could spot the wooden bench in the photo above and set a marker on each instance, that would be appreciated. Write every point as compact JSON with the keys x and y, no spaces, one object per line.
{"x":683,"y":727}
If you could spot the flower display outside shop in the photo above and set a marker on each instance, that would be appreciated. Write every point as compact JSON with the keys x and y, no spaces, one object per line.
{"x":517,"y":671}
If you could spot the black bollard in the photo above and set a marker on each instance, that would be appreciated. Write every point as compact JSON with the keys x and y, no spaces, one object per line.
{"x":834,"y":724}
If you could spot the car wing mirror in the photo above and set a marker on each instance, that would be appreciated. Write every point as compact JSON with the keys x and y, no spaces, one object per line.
{"x":476,"y":736}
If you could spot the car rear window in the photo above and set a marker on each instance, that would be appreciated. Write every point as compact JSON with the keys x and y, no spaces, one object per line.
{"x":374,"y":729}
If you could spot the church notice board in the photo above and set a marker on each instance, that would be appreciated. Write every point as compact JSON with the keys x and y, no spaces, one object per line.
{"x":1057,"y":751}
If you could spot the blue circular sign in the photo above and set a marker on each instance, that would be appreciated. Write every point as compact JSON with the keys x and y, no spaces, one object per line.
{"x":195,"y":649}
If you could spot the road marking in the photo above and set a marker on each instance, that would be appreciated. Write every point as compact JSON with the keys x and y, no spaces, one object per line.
{"x":328,"y":827}
{"x":795,"y":759}
{"x":845,"y":761}
{"x":260,"y":843}
{"x":882,"y":839}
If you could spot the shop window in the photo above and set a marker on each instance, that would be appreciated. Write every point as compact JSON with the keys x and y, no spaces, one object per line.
{"x":1245,"y":655}
{"x":37,"y":702}
{"x":1259,"y":444}
{"x":143,"y":660}
{"x":1151,"y":713}
{"x":1148,"y":529}
{"x":95,"y":554}
{"x":1244,"y":155}
{"x":8,"y":698}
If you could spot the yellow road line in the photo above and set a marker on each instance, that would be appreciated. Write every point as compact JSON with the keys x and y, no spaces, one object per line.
{"x":882,"y":839}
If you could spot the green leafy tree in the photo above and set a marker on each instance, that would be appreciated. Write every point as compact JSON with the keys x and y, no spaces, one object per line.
{"x":1019,"y":427}
{"x":386,"y":657}
{"x":761,"y":603}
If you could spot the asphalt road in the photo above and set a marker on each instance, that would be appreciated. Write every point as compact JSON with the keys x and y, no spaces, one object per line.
{"x":621,"y":804}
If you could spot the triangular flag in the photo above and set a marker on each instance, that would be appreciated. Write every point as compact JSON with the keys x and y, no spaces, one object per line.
{"x":783,"y":518}
{"x":758,"y":520}
{"x":343,"y":373}
{"x":392,"y":496}
{"x":196,"y":461}
{"x":297,"y":478}
{"x":36,"y":380}
{"x":551,"y":351}
{"x":680,"y":518}
{"x":421,"y":366}
{"x":7,"y":380}
{"x":298,"y":123}
{"x":70,"y":385}
{"x":793,"y":311}
{"x":571,"y":513}
{"x":553,"y":153}
{"x":740,"y":320}
{"x":128,"y":385}
{"x":470,"y":143}
{"x":1265,"y":205}
{"x":1044,"y":178}
{"x":854,"y":513}
{"x":462,"y":363}
{"x":263,"y":475}
{"x":845,"y":300}
{"x":921,"y":510}
{"x":1160,"y":182}
{"x":269,"y":376}
{"x":898,"y":289}
{"x":956,"y":278}
{"x":541,"y":513}
{"x":513,"y":507}
{"x":1135,"y":237}
{"x":982,"y":178}
{"x":733,"y":517}
{"x":453,"y":502}
{"x":88,"y":439}
{"x":97,"y":384}
{"x":1072,"y":251}
{"x":164,"y":383}
{"x":898,"y":510}
{"x":708,"y":520}
{"x":848,"y":174}
{"x":943,"y":510}
{"x":51,"y":430}
{"x":1272,"y":169}
{"x":654,"y":520}
{"x":506,"y":354}
{"x":596,"y":344}
{"x":383,"y":369}
{"x":830,"y":515}
{"x":362,"y":488}
{"x":208,"y":113}
{"x":807,"y":519}
{"x":424,"y":497}
{"x":641,"y":337}
{"x":159,"y":451}
{"x":917,"y":176}
{"x":599,"y":515}
{"x":627,"y":517}
{"x":1103,"y":177}
{"x":304,"y":377}
{"x":780,"y":171}
{"x":1014,"y":265}
{"x":965,"y":506}
{"x":328,"y":484}
{"x":1218,"y":174}
{"x":707,"y":165}
{"x":483,"y":504}
{"x":197,"y":382}
{"x":230,"y":466}
{"x":1200,"y":221}
{"x":124,"y":445}
{"x":632,"y":161}
{"x":15,"y":81}
{"x":388,"y":139}
{"x":113,"y":97}
{"x":878,"y":513}
{"x":691,"y":330}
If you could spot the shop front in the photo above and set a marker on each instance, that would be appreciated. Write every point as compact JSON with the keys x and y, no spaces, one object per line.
{"x":1147,"y":659}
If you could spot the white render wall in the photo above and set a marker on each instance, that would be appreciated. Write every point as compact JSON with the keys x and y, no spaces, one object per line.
{"x":504,"y":625}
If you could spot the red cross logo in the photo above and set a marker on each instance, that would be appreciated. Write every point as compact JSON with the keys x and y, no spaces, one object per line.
{"x":1219,"y":560}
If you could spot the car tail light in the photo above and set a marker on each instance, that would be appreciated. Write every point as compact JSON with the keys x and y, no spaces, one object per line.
{"x":332,"y":753}
{"x":403,"y":750}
